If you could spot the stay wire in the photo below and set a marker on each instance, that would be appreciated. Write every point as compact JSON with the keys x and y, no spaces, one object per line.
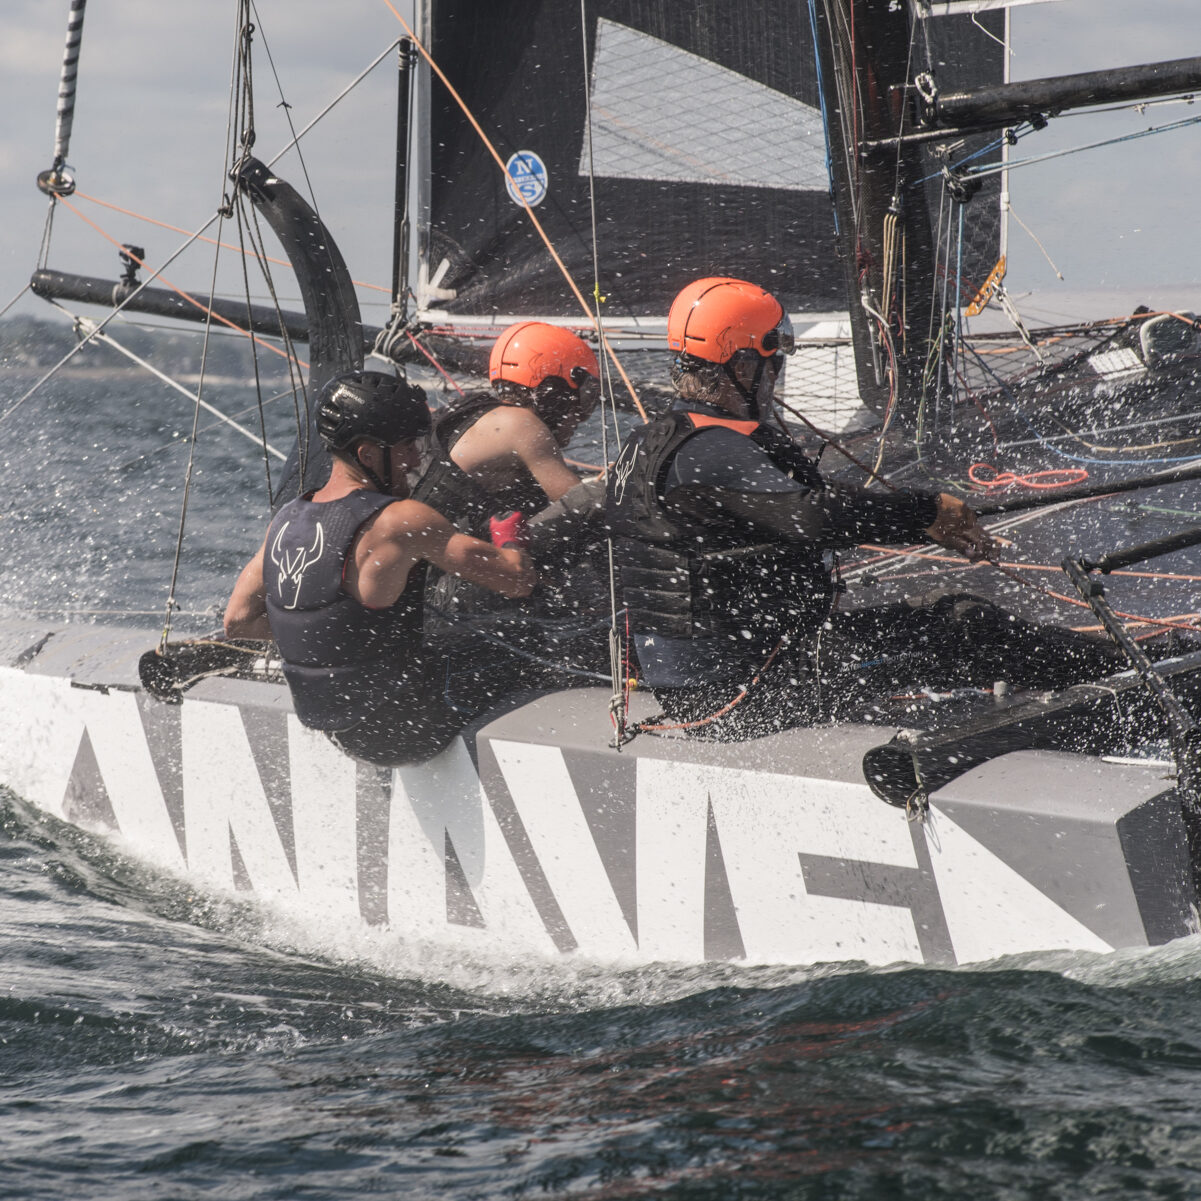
{"x":196,"y":234}
{"x":233,"y":111}
{"x":14,"y":300}
{"x":254,"y":354}
{"x":619,"y":698}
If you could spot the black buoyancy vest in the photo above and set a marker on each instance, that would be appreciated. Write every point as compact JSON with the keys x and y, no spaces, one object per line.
{"x":339,"y":656}
{"x":682,"y":578}
{"x":452,"y":492}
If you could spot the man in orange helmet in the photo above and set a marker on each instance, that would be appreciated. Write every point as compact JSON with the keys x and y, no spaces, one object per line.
{"x":501,"y":452}
{"x":723,"y":524}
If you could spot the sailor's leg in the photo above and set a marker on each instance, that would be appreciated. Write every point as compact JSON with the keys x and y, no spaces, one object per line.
{"x":957,"y":638}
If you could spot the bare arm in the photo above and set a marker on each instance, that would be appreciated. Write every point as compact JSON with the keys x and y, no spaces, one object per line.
{"x":544,"y":460}
{"x":246,"y":612}
{"x":510,"y":437}
{"x":406,"y":533}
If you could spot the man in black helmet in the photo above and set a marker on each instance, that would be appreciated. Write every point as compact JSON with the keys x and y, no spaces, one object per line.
{"x":340,"y":578}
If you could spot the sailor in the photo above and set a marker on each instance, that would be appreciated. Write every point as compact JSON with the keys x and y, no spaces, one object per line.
{"x":723,"y":527}
{"x":500,"y":452}
{"x":339,"y":584}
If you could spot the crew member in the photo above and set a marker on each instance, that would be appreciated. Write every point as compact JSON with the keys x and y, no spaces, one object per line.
{"x":722,"y":526}
{"x":501,"y":451}
{"x":340,"y":578}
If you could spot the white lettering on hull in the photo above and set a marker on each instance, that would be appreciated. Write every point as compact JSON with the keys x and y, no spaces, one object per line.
{"x":44,"y":720}
{"x":224,"y":796}
{"x":990,"y":909}
{"x":546,"y":800}
{"x":42,"y":728}
{"x":764,"y":824}
{"x":324,"y":817}
{"x":440,"y":799}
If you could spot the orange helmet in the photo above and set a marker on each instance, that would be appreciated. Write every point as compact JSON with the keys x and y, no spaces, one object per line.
{"x":714,"y":318}
{"x":530,"y":351}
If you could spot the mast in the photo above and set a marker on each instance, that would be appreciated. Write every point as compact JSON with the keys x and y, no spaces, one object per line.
{"x":400,"y":230}
{"x":57,"y":181}
{"x":884,"y":230}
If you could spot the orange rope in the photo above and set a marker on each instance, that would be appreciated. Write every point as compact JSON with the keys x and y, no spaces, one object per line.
{"x":438,"y":366}
{"x":524,"y":204}
{"x":179,"y":291}
{"x":892,"y":552}
{"x":1010,"y":570}
{"x":643,"y":728}
{"x":211,"y":241}
{"x":1062,"y":477}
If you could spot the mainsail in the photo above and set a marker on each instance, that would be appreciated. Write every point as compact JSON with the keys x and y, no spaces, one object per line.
{"x":707,"y":152}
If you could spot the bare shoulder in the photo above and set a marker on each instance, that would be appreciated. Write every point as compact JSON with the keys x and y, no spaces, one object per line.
{"x":518,"y":423}
{"x":407,"y":519}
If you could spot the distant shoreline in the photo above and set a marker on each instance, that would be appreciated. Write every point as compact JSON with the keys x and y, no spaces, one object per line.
{"x":101,"y":374}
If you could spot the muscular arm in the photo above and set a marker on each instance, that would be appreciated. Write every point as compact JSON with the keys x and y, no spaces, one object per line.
{"x":510,"y":437}
{"x":404,"y":534}
{"x":246,"y":612}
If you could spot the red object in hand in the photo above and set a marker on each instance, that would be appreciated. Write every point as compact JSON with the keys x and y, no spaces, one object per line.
{"x":508,"y":530}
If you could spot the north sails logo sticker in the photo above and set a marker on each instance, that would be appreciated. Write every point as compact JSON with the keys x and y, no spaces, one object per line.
{"x":526,"y":178}
{"x":293,"y":566}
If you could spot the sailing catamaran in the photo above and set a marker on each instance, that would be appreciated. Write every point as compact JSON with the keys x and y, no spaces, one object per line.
{"x":1014,"y":823}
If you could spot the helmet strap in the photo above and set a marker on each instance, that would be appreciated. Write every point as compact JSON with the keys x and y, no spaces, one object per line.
{"x":383,"y":483}
{"x":751,"y":394}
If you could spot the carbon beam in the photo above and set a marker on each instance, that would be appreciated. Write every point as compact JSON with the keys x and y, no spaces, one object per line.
{"x":1005,"y":104}
{"x":1081,"y":719}
{"x":87,"y":289}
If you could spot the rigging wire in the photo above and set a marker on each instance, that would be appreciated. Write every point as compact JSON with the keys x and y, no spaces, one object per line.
{"x":984,"y":172}
{"x":14,"y":300}
{"x":619,"y":680}
{"x":488,"y":145}
{"x":106,"y":339}
{"x":233,"y":112}
{"x":358,"y":283}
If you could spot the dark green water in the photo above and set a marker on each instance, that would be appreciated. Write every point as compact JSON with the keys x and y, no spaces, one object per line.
{"x":155,"y":1043}
{"x":159,"y":1043}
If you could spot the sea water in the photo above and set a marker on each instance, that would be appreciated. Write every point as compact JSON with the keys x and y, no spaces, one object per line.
{"x":161,"y":1041}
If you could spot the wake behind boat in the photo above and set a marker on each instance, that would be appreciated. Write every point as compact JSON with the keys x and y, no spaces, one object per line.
{"x":1015,"y":822}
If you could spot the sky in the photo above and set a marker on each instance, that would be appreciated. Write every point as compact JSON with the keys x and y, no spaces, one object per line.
{"x":150,"y":129}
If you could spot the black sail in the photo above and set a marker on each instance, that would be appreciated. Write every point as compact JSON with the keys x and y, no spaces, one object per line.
{"x":708,"y":148}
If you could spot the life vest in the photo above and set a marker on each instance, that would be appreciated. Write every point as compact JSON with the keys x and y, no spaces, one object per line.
{"x":684,"y":579}
{"x":339,"y":657}
{"x":462,"y":500}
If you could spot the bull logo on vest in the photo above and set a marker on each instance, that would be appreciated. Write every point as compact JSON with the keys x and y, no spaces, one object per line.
{"x":293,"y":564}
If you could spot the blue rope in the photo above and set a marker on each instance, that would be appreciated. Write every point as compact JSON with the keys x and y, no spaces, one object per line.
{"x":979,"y":172}
{"x":1042,"y":441}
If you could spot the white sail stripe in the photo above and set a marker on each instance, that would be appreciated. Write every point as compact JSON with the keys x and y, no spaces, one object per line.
{"x":952,"y":8}
{"x":648,"y":124}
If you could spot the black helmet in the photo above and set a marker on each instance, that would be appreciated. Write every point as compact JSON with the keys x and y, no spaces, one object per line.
{"x":372,"y":405}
